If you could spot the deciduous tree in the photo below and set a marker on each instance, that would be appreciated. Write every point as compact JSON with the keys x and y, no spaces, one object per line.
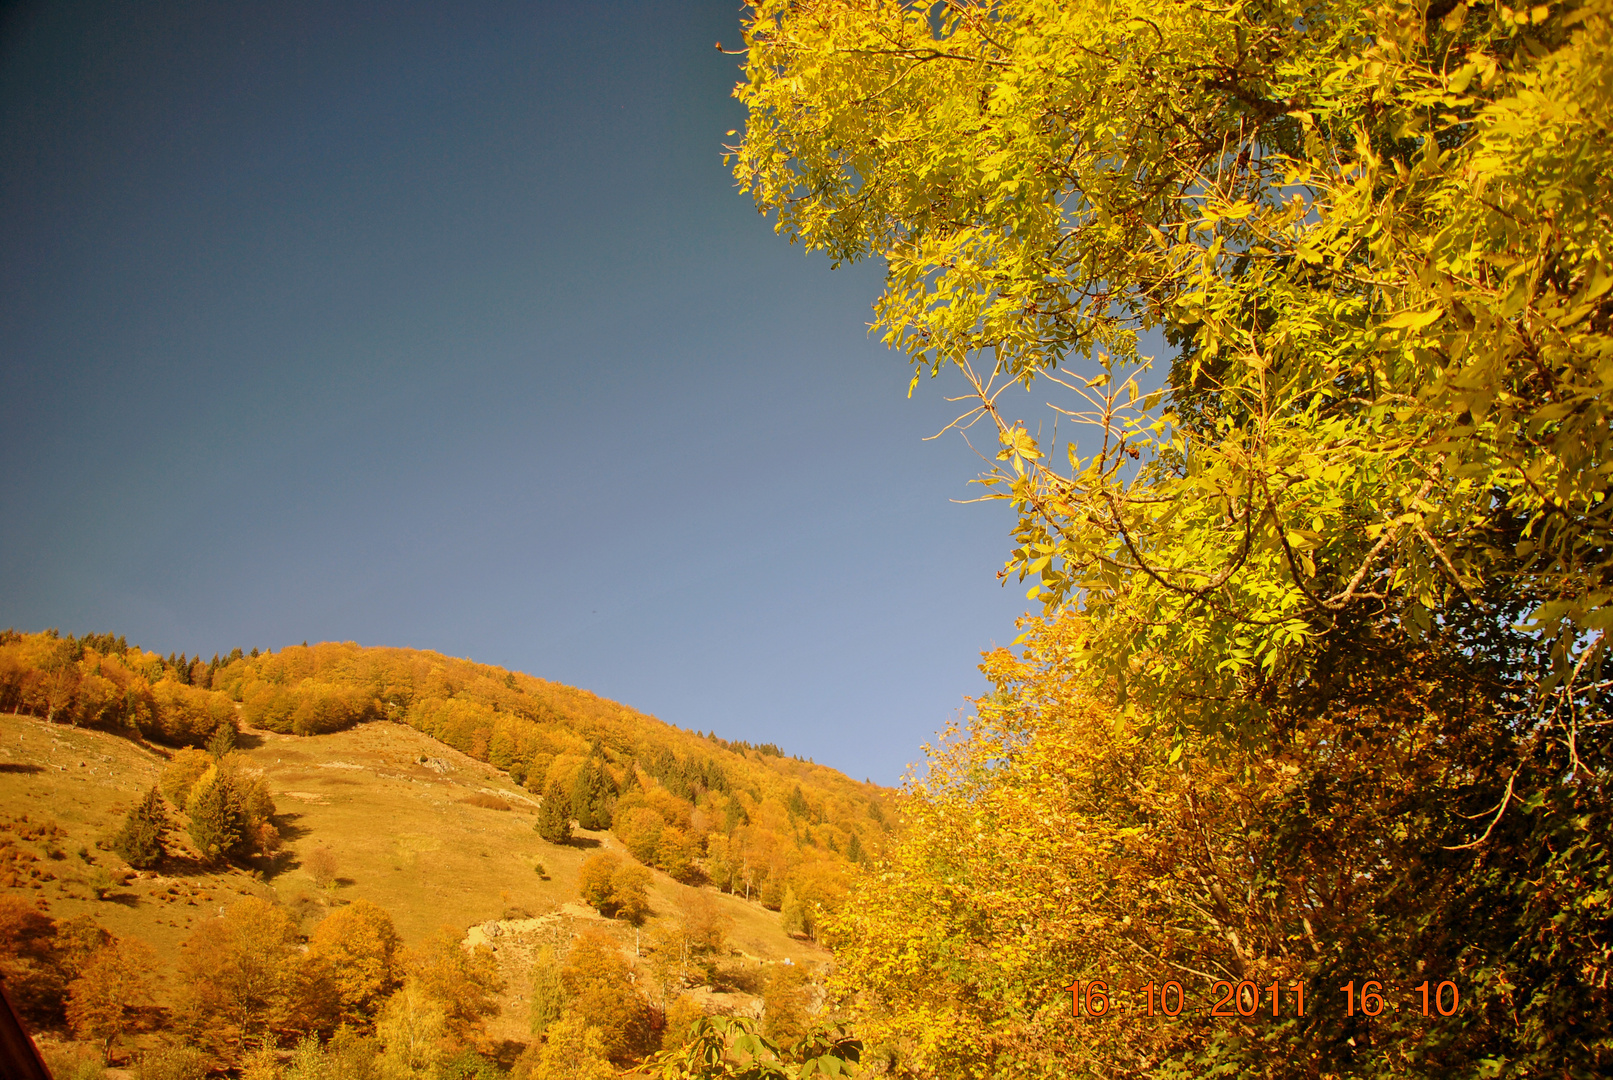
{"x":548,"y":993}
{"x":614,"y":887}
{"x":600,"y":990}
{"x":114,"y":982}
{"x":237,"y":972}
{"x":184,"y":768}
{"x":574,"y":1050}
{"x":465,"y":982}
{"x":29,"y":960}
{"x":363,"y":950}
{"x":412,"y":1028}
{"x":1333,"y":594}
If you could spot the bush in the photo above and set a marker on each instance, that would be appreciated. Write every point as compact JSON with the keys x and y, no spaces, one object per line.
{"x":485,"y":801}
{"x":321,"y":866}
{"x":73,"y":1063}
{"x":172,"y":1063}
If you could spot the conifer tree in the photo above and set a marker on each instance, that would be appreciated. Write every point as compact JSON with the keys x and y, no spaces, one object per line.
{"x":217,"y":819}
{"x":140,"y":840}
{"x":591,"y":796}
{"x":554,"y":815}
{"x":548,"y":995}
{"x":222,"y":742}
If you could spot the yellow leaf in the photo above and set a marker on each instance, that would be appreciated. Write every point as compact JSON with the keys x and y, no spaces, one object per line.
{"x":1412,"y":320}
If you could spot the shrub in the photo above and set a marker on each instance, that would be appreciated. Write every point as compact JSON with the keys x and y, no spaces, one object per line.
{"x":321,"y":866}
{"x":172,"y":1063}
{"x":485,"y":801}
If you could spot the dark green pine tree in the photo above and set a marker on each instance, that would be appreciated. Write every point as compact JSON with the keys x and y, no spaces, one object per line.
{"x":140,"y":840}
{"x":798,"y":805}
{"x":854,"y":849}
{"x":592,"y":795}
{"x":217,"y":821}
{"x":554,"y":815}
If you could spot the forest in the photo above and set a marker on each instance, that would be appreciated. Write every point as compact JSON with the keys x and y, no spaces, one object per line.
{"x":1286,"y":330}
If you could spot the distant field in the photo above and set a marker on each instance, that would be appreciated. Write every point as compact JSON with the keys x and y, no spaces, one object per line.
{"x":396,"y":808}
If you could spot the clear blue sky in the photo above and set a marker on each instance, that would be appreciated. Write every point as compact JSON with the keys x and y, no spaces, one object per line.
{"x":442,"y":325}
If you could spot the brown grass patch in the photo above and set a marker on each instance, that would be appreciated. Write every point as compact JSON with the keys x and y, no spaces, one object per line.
{"x":488,"y":802}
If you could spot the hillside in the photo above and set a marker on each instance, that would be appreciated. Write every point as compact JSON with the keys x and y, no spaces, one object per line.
{"x":418,"y":780}
{"x":757,"y":823}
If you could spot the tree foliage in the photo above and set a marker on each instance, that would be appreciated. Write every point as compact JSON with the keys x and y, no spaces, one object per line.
{"x":1372,"y":230}
{"x":364,"y":952}
{"x":140,"y":839}
{"x":616,"y":888}
{"x":411,"y":1028}
{"x":729,"y":1048}
{"x":240,"y":975}
{"x":114,"y":982}
{"x":31,"y":963}
{"x":554,"y":815}
{"x":1317,"y":689}
{"x":548,"y":991}
{"x":600,"y":990}
{"x":574,"y":1050}
{"x":464,"y":982}
{"x":592,"y":795}
{"x":218,"y":820}
{"x":229,"y":807}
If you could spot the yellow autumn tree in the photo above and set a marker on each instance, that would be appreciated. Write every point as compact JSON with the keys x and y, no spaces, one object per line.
{"x":114,"y":982}
{"x":465,"y":983}
{"x":600,"y":990}
{"x":238,"y":973}
{"x":412,"y":1028}
{"x":1322,"y":683}
{"x":364,"y":953}
{"x":572,"y":1050}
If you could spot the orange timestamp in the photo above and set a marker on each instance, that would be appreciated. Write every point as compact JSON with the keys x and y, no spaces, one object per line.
{"x":1248,"y":999}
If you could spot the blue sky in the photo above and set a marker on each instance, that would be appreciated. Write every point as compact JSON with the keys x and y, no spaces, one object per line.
{"x":443,"y":326}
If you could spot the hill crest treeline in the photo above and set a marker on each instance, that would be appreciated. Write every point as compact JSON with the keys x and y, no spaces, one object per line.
{"x":747,"y":818}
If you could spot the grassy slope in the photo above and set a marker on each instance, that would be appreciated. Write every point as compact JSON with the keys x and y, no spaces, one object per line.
{"x":401,"y":835}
